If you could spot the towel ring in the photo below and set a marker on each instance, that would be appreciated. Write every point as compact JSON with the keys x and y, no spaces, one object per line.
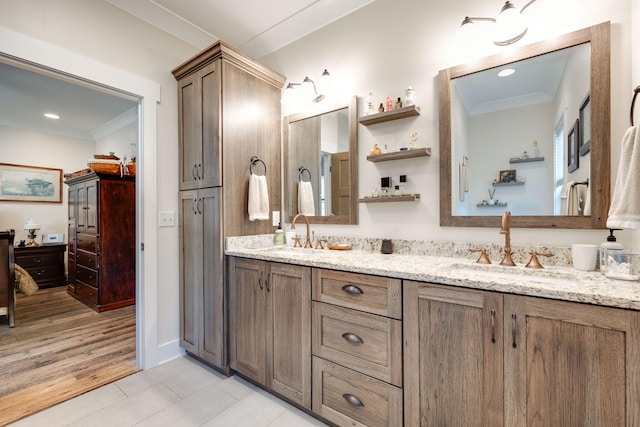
{"x":633,"y":102}
{"x":301,"y":171}
{"x":254,"y":161}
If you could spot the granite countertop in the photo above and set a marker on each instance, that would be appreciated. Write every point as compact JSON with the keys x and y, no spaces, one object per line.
{"x":556,"y":282}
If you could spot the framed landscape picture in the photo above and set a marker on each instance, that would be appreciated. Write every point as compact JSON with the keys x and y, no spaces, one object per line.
{"x":585,"y":126}
{"x":20,"y":183}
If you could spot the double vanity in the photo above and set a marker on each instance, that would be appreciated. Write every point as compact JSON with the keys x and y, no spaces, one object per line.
{"x":426,"y":336}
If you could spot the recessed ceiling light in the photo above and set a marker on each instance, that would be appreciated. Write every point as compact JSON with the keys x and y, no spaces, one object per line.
{"x":51,"y":116}
{"x":506,"y":72}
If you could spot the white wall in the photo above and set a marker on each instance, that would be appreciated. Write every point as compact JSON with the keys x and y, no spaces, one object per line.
{"x":389,"y":45}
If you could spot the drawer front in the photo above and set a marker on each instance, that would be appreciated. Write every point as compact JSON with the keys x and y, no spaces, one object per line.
{"x":87,"y":259}
{"x":373,"y":294}
{"x":348,"y":398}
{"x":39,"y":260}
{"x":87,"y":292}
{"x":87,"y":243}
{"x":364,"y":342}
{"x":87,"y":275}
{"x":41,"y":274}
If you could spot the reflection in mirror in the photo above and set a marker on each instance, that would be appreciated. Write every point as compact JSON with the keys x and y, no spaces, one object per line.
{"x":513,"y":143}
{"x":320,"y":163}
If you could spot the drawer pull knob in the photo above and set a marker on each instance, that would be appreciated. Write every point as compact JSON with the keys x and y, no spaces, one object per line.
{"x":352,"y":289}
{"x":352,"y":400}
{"x":352,"y":338}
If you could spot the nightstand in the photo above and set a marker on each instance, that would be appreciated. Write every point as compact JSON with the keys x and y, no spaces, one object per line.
{"x":45,"y":263}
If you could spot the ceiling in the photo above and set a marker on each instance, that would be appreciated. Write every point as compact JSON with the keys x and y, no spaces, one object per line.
{"x":85,"y":113}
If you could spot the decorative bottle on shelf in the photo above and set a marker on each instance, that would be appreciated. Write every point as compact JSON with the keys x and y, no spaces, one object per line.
{"x":370,"y":108}
{"x":409,"y":96}
{"x":388,"y":104}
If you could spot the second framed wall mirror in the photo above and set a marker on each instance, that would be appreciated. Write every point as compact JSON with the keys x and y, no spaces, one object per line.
{"x":487,"y":123}
{"x":321,"y":163}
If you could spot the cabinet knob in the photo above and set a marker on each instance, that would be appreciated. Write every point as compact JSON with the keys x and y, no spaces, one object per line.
{"x":352,"y":400}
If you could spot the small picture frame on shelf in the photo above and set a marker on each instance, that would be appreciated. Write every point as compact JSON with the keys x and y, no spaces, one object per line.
{"x":572,"y":147}
{"x":508,"y":175}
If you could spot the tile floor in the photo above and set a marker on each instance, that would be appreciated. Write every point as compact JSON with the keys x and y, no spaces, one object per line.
{"x":179,"y":393}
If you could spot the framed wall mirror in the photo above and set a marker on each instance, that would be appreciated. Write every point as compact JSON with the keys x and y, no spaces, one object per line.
{"x":505,"y":142}
{"x":321,"y":163}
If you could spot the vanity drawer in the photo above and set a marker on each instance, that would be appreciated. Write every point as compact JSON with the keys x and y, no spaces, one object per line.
{"x":365,"y":342}
{"x":87,"y":259}
{"x":348,"y":398}
{"x":87,"y":292}
{"x":87,"y":242}
{"x":87,"y":275}
{"x":373,"y":294}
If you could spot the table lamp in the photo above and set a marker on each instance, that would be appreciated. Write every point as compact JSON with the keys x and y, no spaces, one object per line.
{"x":32,"y":227}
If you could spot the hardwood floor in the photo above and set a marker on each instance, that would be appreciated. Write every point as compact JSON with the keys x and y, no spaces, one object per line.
{"x":60,"y":349}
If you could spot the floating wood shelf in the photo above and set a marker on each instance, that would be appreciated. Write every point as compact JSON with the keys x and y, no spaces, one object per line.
{"x":386,"y":199}
{"x":500,"y":184}
{"x":530,"y":159}
{"x":405,"y":154}
{"x":497,"y":205}
{"x":386,"y":116}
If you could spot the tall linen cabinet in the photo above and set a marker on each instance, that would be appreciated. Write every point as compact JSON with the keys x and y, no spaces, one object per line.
{"x":229,"y":111}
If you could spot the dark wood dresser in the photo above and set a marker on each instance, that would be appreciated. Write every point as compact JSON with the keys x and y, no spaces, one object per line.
{"x":45,"y":263}
{"x":102,"y":230}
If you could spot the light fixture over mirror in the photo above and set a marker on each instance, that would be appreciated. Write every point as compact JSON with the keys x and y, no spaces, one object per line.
{"x":465,"y":132}
{"x":307,"y":91}
{"x":507,"y":28}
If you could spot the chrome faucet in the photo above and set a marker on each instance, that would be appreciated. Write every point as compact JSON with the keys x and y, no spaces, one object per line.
{"x":307,"y":243}
{"x":506,"y":230}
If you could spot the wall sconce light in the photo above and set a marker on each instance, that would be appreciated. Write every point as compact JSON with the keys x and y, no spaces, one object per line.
{"x":509,"y":26}
{"x":307,"y":91}
{"x":32,"y":228}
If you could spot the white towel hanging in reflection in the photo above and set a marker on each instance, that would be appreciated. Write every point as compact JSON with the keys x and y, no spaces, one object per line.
{"x":571,"y":205}
{"x":306,"y":205}
{"x":624,"y":211}
{"x":258,"y":198}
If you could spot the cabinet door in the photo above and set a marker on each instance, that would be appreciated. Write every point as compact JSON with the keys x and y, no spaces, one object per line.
{"x":210,"y":173}
{"x":213,"y":348}
{"x":452,"y":356}
{"x":247,"y":322}
{"x":189,"y":122}
{"x":191,"y":245}
{"x":289,"y":320}
{"x":570,"y":364}
{"x":81,"y":200}
{"x":199,"y":126}
{"x":71,"y":233}
{"x":92,"y":206}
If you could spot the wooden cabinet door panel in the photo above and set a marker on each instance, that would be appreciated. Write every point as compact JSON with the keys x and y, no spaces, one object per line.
{"x":190,"y":271}
{"x":189,"y":123}
{"x":213,"y":347}
{"x":289,"y":336}
{"x":453,"y":356}
{"x":247,"y":324}
{"x":210,"y":173}
{"x":567,"y":364}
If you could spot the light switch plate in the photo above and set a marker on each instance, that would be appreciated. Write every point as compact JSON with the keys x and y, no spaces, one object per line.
{"x":276,"y":218}
{"x":166,"y":219}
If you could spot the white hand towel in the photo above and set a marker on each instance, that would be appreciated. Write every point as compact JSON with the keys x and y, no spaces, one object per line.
{"x":306,"y":204}
{"x":586,"y":210}
{"x":571,"y":201}
{"x":624,"y":211}
{"x":258,"y":198}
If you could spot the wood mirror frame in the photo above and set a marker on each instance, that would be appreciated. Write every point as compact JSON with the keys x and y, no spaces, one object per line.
{"x":290,"y":171}
{"x":600,"y":181}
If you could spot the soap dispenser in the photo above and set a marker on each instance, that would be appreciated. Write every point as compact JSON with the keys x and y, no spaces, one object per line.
{"x":611,"y":243}
{"x":278,"y":237}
